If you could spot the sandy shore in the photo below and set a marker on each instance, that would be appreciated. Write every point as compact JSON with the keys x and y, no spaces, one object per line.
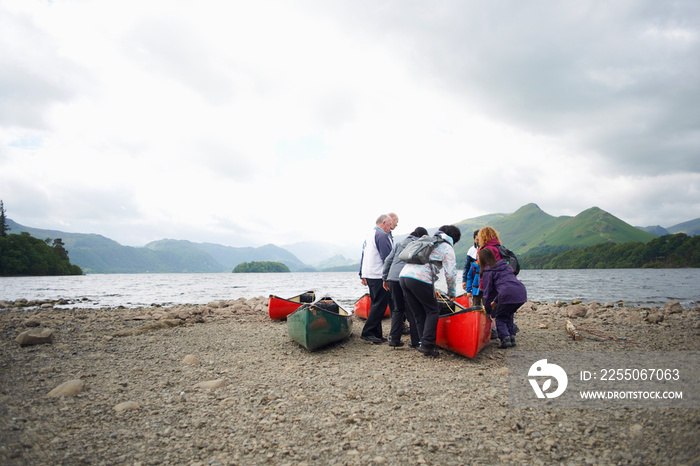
{"x":222,"y":384}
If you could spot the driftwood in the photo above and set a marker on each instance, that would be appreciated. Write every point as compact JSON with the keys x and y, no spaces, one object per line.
{"x":573,"y":332}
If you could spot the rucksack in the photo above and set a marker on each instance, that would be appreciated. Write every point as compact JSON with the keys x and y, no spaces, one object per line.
{"x":418,"y":251}
{"x":510,"y":258}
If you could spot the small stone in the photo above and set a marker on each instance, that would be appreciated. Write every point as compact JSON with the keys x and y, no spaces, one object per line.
{"x":636,"y":430}
{"x":191,"y":360}
{"x":654,"y":318}
{"x":32,"y":322}
{"x":70,"y":388}
{"x":126,"y":406}
{"x":211,"y":384}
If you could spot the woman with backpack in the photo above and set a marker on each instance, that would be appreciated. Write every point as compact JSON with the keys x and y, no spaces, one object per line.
{"x":488,"y":238}
{"x":502,"y":290}
{"x":418,"y":285}
{"x":390,"y":274}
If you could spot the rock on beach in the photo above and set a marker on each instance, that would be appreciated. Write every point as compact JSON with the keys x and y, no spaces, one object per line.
{"x":69,"y":388}
{"x":35,"y":336}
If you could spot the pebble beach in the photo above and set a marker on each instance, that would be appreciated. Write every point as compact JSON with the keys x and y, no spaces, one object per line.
{"x":222,"y":384}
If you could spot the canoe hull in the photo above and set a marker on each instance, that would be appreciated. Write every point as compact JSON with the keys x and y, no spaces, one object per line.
{"x":464,"y":332}
{"x":280,"y":308}
{"x":362,"y":305}
{"x":313,"y":327}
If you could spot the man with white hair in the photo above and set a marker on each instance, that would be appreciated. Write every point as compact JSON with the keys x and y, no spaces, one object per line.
{"x":375,"y":249}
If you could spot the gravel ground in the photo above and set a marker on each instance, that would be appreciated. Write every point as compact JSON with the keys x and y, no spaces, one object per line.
{"x":222,"y":384}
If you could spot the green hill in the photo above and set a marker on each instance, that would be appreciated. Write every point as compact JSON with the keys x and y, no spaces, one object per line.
{"x":98,"y":254}
{"x":531,"y":228}
{"x":690,"y":228}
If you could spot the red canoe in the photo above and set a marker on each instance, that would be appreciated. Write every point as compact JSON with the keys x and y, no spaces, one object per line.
{"x":280,"y":308}
{"x":464,"y":300}
{"x":362,"y":307}
{"x":465,"y":331}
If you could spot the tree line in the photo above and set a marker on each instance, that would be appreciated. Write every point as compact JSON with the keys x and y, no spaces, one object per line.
{"x":669,"y":251}
{"x":25,"y":255}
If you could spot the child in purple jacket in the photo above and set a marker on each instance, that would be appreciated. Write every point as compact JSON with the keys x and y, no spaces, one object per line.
{"x":503,"y":291}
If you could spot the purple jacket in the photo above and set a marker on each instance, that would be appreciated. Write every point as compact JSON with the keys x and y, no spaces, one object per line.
{"x":499,"y":284}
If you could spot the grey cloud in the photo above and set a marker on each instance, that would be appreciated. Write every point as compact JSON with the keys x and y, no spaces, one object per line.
{"x":335,"y":109}
{"x":173,"y":49}
{"x":620,"y":79}
{"x":223,"y":159}
{"x":33,"y":80}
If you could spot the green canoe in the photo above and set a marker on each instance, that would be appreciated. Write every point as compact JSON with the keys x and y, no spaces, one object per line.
{"x":319,"y":324}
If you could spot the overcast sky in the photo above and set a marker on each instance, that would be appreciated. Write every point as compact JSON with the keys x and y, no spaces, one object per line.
{"x":252,"y":122}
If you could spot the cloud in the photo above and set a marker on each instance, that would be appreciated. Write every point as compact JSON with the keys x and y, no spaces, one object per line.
{"x":620,"y":79}
{"x":34,"y":76}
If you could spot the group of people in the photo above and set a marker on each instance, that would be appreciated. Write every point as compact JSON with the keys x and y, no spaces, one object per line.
{"x":409,"y":289}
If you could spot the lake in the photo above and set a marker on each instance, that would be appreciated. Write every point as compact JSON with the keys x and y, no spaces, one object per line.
{"x":650,"y":287}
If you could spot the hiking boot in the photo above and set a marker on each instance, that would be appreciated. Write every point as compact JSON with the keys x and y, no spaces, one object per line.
{"x":512,"y":340}
{"x":515,"y":329}
{"x":428,"y":351}
{"x":396,"y":343}
{"x":494,"y":334}
{"x":505,"y":343}
{"x":371,"y":339}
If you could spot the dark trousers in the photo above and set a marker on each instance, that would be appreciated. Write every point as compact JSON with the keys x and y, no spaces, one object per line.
{"x":400,"y":312}
{"x":420,"y":299}
{"x":380,"y":300}
{"x":504,"y":319}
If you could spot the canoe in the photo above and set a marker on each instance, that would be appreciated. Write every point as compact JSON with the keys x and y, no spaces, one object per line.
{"x":280,"y":308}
{"x":362,"y":305}
{"x":465,"y":331}
{"x":464,"y":300}
{"x":319,"y":324}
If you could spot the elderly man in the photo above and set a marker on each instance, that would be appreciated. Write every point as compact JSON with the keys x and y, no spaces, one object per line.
{"x":376,"y":248}
{"x":394,"y":223}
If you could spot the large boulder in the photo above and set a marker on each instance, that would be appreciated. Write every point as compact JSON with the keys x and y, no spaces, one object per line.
{"x":577,"y":310}
{"x":673,"y":307}
{"x":35,"y":336}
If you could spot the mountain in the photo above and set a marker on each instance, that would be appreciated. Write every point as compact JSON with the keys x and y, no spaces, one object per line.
{"x":315,"y":253}
{"x":229,"y":257}
{"x":335,"y":262}
{"x":98,"y":254}
{"x":690,"y":228}
{"x":656,"y":230}
{"x":529,"y":227}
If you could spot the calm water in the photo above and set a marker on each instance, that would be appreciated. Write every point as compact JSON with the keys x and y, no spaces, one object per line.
{"x":634,"y":286}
